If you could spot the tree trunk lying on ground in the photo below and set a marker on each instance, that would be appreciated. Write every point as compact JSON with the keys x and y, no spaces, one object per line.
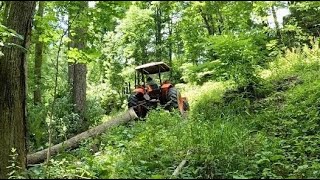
{"x":74,"y":141}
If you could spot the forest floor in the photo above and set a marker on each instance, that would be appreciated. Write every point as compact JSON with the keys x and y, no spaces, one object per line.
{"x":226,"y":134}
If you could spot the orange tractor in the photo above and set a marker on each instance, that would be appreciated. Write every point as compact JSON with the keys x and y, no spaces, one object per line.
{"x":149,"y":95}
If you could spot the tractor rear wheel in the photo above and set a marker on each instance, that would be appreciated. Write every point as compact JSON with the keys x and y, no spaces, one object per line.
{"x":133,"y":102}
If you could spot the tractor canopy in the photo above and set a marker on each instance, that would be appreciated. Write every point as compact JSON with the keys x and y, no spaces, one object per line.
{"x":153,"y":68}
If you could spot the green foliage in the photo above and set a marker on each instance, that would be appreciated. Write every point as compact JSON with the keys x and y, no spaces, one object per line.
{"x":15,"y":169}
{"x":37,"y":127}
{"x":135,"y":28}
{"x":227,"y":134}
{"x":305,"y":14}
{"x":273,"y":137}
{"x":201,"y":73}
{"x":109,"y":99}
{"x":94,"y":110}
{"x":238,"y":55}
{"x":6,"y":36}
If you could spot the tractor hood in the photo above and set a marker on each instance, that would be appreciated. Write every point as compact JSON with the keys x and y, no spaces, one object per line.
{"x":153,"y":68}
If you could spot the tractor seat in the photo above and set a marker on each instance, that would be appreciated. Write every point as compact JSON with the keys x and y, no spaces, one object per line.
{"x":154,"y":94}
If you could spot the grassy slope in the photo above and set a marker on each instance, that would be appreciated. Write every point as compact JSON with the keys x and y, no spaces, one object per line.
{"x":274,"y":137}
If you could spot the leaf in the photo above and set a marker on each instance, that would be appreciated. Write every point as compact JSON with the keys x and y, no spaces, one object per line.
{"x":71,"y":60}
{"x":276,"y":157}
{"x":157,"y":176}
{"x":17,"y":45}
{"x":239,"y":177}
{"x":302,"y":167}
{"x":66,"y":39}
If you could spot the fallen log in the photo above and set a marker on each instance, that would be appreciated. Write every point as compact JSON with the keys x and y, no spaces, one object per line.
{"x":73,"y":142}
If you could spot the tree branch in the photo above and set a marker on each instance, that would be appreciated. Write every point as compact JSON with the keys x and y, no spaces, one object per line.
{"x":55,"y":89}
{"x":181,"y":165}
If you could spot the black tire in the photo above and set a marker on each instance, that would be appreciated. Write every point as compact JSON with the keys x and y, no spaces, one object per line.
{"x":172,"y":99}
{"x":133,"y":102}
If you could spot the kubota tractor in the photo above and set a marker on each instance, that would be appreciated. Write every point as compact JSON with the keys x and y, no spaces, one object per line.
{"x":146,"y":95}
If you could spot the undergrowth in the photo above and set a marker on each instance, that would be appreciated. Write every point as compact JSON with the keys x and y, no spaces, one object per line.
{"x":271,"y":137}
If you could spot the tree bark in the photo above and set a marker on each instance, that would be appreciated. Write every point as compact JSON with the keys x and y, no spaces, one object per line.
{"x":38,"y":58}
{"x":220,"y":20}
{"x":158,"y":33}
{"x":13,"y":86}
{"x":170,"y":46}
{"x":74,"y":141}
{"x":77,"y":71}
{"x":207,"y":20}
{"x":70,"y":44}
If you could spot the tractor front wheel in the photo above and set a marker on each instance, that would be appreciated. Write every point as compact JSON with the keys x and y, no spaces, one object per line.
{"x":172,"y":99}
{"x":175,"y":101}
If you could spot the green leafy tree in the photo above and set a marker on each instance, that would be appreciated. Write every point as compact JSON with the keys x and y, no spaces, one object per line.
{"x":305,"y":13}
{"x":238,"y":55}
{"x":77,"y":69}
{"x":136,"y":37}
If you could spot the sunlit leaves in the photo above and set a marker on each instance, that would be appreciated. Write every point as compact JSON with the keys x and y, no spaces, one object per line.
{"x":78,"y":56}
{"x":6,"y":33}
{"x":238,"y":55}
{"x":135,"y":30}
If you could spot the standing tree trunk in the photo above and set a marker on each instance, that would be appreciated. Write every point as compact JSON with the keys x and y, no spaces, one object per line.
{"x":38,"y":58}
{"x":220,"y":19}
{"x":207,"y":18}
{"x":170,"y":45}
{"x":13,"y":86}
{"x":158,"y":33}
{"x":70,"y":44}
{"x":276,"y":23}
{"x":209,"y":23}
{"x":78,"y":70}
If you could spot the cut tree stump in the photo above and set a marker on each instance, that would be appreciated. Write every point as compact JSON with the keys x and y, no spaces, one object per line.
{"x":74,"y":142}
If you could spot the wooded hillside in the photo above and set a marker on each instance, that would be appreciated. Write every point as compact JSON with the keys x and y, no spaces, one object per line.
{"x":243,"y":74}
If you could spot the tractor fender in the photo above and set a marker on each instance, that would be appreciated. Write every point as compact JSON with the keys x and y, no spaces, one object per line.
{"x":139,"y":91}
{"x":166,"y":86}
{"x":164,"y":89}
{"x":184,"y":99}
